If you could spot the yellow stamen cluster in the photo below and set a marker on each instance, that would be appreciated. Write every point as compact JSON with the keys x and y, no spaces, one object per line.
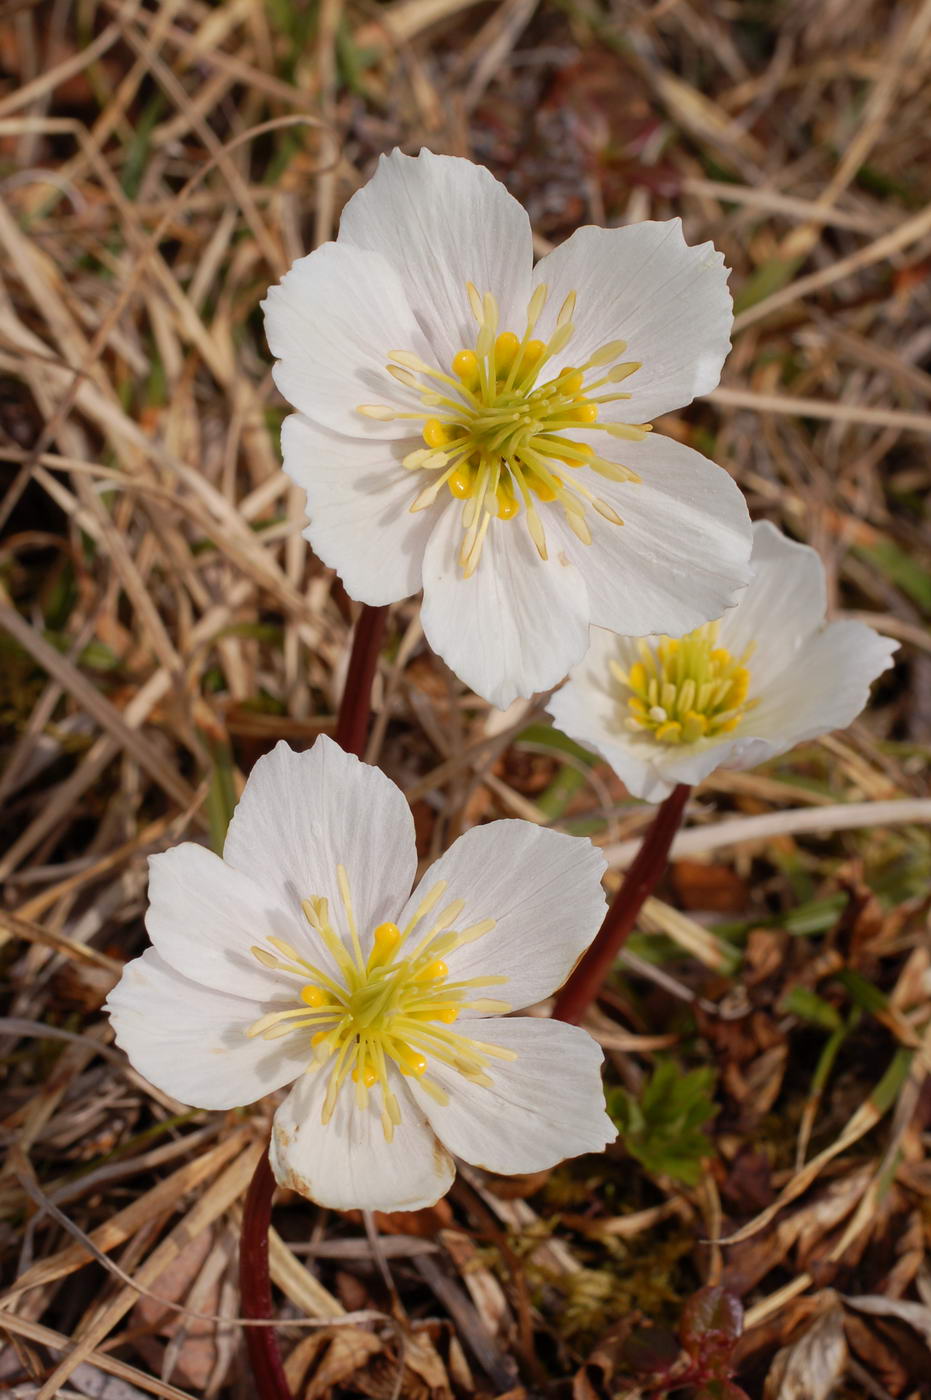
{"x":391,"y":1007}
{"x":495,"y":427}
{"x":686,"y":689}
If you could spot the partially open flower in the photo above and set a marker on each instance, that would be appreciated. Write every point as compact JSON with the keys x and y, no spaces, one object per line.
{"x":731,"y":694}
{"x":478,"y":427}
{"x":303,"y":955}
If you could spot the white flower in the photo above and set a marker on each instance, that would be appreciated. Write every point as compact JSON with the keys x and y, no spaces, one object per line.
{"x":477,"y":427}
{"x":771,"y":674}
{"x":303,"y":955}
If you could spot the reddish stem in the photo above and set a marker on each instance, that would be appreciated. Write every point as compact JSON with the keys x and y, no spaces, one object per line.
{"x":255,"y":1286}
{"x":352,"y":724}
{"x":649,"y":863}
{"x":254,"y":1278}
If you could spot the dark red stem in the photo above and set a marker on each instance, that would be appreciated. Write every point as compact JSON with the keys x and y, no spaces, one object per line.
{"x":352,"y":725}
{"x":648,"y":865}
{"x":255,"y":1285}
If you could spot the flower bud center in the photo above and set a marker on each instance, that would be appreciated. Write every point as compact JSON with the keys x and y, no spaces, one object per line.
{"x":391,"y":1008}
{"x":685,"y":689}
{"x":497,"y":428}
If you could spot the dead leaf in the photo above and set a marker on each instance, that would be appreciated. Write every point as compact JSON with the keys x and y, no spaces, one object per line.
{"x":715,"y":888}
{"x":810,"y":1368}
{"x":339,"y":1353}
{"x":916,"y":1315}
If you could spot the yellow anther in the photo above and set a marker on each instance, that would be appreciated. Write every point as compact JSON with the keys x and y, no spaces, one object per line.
{"x":462,"y":483}
{"x":585,"y":413}
{"x":506,"y":348}
{"x":433,"y":971}
{"x":571,"y":381}
{"x":367,"y":1076}
{"x":318,"y":1038}
{"x":385,"y":940}
{"x":465,"y":367}
{"x":542,"y":489}
{"x":435,"y":433}
{"x":694,"y":726}
{"x":447,"y":1015}
{"x":313,"y":996}
{"x":533,"y":353}
{"x":508,"y":504}
{"x":740,"y":685}
{"x":669,"y":731}
{"x":410,"y":1062}
{"x":637,"y":676}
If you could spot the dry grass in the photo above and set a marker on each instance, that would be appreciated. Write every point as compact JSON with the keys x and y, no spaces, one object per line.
{"x":163,"y":623}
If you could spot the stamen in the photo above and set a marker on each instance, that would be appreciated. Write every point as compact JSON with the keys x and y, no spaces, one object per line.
{"x":683,"y":690}
{"x":630,"y":432}
{"x":403,"y":376}
{"x":495,"y":433}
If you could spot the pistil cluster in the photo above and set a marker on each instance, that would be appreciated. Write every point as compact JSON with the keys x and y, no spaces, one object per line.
{"x":495,"y":427}
{"x":392,"y":1007}
{"x":687,"y":688}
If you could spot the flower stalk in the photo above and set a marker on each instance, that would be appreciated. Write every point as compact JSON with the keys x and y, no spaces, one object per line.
{"x":255,"y":1287}
{"x":254,"y":1278}
{"x":352,"y":723}
{"x":649,"y":863}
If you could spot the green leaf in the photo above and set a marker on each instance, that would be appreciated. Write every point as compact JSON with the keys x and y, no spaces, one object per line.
{"x":221,"y":794}
{"x":808,"y":1006}
{"x":664,"y":1129}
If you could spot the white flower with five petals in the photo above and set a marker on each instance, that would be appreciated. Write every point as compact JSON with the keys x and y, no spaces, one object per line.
{"x":478,"y":427}
{"x":303,"y":956}
{"x":771,"y":674}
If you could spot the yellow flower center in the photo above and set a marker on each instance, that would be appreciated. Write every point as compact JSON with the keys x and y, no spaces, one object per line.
{"x":393,"y":1007}
{"x":495,"y":427}
{"x":687,"y":688}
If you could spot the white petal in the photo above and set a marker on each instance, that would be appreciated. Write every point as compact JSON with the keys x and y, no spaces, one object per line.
{"x":331,"y":323}
{"x":190,"y":1041}
{"x":442,"y":222}
{"x":785,"y":603}
{"x":546,"y":1105}
{"x":302,"y":814}
{"x":514,"y":627}
{"x":346,"y":1164}
{"x":204,"y":916}
{"x":825,"y":687}
{"x":542,"y":888}
{"x":682,"y":555}
{"x":358,"y":501}
{"x":645,"y":285}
